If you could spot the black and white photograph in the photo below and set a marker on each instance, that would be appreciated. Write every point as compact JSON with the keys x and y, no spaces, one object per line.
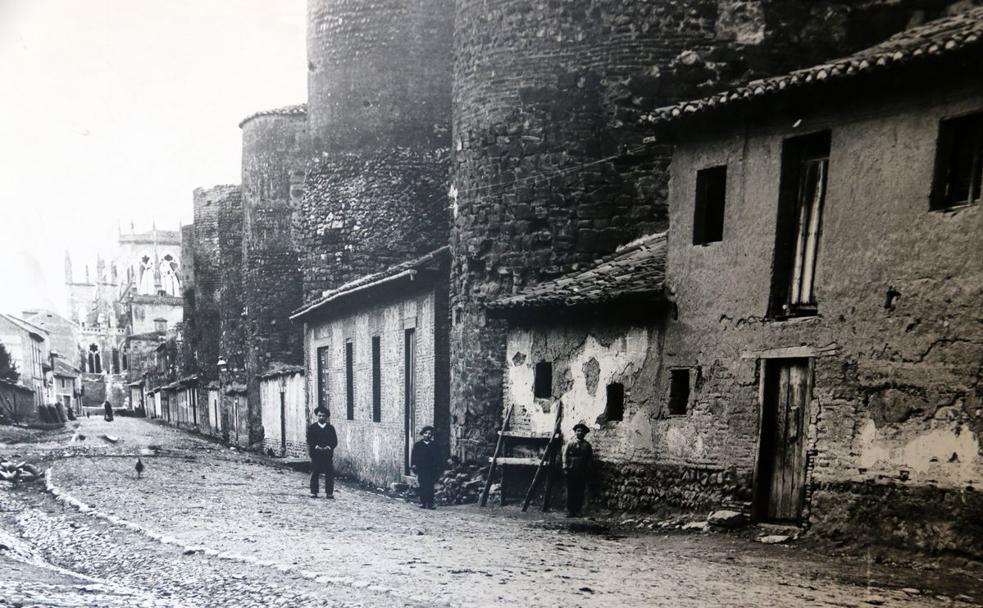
{"x":491,"y":303}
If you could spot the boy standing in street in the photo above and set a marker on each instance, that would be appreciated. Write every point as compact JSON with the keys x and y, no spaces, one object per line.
{"x":577,"y":458}
{"x":425,"y":462}
{"x":321,"y":442}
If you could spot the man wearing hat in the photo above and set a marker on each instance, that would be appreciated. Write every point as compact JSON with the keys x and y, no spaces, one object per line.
{"x":425,"y":462}
{"x":577,"y":458}
{"x":321,"y":442}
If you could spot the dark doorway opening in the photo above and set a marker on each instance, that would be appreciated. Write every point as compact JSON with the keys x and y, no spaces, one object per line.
{"x":780,"y":479}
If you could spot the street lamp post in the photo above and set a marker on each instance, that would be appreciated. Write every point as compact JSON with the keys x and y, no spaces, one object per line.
{"x":223,"y":366}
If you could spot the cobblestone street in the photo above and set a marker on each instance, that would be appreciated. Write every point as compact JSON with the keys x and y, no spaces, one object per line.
{"x":208,"y":526}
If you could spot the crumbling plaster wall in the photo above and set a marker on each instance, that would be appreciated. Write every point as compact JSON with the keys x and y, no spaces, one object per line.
{"x":649,"y":459}
{"x":896,"y":406}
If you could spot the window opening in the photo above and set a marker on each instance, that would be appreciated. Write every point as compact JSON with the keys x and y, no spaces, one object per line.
{"x":958,"y":162}
{"x":350,"y":380}
{"x":708,"y":215}
{"x":678,"y":391}
{"x":543,"y":385}
{"x":376,"y":379}
{"x":615,"y":408}
{"x":802,"y":193}
{"x":322,"y":377}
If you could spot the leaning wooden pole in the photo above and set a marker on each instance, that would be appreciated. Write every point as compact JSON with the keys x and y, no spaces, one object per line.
{"x":546,"y":456}
{"x":498,"y":450}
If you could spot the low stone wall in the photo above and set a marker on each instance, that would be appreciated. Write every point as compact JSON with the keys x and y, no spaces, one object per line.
{"x":929,"y":519}
{"x":636,"y":487}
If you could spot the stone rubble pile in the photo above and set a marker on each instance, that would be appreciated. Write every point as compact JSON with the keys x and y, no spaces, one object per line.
{"x":461,"y":485}
{"x":19,"y":471}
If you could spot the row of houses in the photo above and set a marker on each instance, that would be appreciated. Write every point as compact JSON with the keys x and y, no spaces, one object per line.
{"x":803,"y":343}
{"x":44,"y":377}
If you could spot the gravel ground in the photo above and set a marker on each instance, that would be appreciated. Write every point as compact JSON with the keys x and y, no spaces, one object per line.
{"x":259,"y":540}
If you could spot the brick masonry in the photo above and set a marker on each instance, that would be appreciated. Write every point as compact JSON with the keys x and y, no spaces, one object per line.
{"x":551,"y":164}
{"x":375,"y":451}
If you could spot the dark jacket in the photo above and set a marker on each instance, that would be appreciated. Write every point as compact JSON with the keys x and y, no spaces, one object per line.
{"x":326,"y":437}
{"x":577,"y":456}
{"x":426,"y":459}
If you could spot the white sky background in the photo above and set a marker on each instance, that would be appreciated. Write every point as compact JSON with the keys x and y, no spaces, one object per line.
{"x":112,"y":110}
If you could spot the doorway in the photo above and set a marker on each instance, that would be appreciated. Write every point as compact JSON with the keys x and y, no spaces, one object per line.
{"x":781,"y":472}
{"x":409,"y":396}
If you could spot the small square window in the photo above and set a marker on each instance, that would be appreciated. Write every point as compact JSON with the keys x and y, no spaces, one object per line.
{"x":615,"y":408}
{"x":678,"y":391}
{"x":543,"y":384}
{"x":958,"y":162}
{"x":708,"y":215}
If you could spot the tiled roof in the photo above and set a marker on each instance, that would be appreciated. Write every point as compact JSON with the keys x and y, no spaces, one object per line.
{"x":939,"y":38}
{"x":27,"y":326}
{"x":299,"y":109}
{"x":281,"y":370}
{"x":372,"y":280}
{"x":635,"y":269}
{"x":65,"y":369}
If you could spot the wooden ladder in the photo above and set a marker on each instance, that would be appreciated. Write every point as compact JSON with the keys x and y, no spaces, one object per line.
{"x":502,"y":458}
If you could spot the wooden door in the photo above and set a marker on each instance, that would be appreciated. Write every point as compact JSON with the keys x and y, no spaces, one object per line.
{"x":409,"y":396}
{"x":782,"y":461}
{"x":283,"y":422}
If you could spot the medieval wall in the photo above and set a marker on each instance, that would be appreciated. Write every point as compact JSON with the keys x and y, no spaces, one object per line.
{"x":274,"y":153}
{"x":894,"y":422}
{"x":203,"y":326}
{"x":552,"y":165}
{"x":379,"y":88}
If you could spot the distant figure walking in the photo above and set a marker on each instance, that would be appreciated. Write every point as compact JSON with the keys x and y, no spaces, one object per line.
{"x":109,"y":410}
{"x":425,"y":462}
{"x":321,"y":442}
{"x":577,"y":458}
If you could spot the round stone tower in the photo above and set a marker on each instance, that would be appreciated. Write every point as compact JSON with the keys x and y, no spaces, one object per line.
{"x":379,"y":98}
{"x":553,"y":164}
{"x":275,"y":151}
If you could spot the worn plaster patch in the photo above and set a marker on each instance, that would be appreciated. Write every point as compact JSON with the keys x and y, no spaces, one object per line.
{"x":518,"y":359}
{"x":592,"y":371}
{"x":684,"y":442}
{"x":946,"y":455}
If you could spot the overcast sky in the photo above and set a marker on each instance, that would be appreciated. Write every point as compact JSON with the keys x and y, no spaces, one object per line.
{"x":115,"y":110}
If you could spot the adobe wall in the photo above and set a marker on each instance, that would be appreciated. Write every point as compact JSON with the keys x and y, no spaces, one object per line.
{"x":896,"y":416}
{"x":367,"y":450}
{"x":553,"y":166}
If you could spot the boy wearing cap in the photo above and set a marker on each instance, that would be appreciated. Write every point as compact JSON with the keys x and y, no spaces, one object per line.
{"x":577,"y":458}
{"x":321,"y":442}
{"x":425,"y":462}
